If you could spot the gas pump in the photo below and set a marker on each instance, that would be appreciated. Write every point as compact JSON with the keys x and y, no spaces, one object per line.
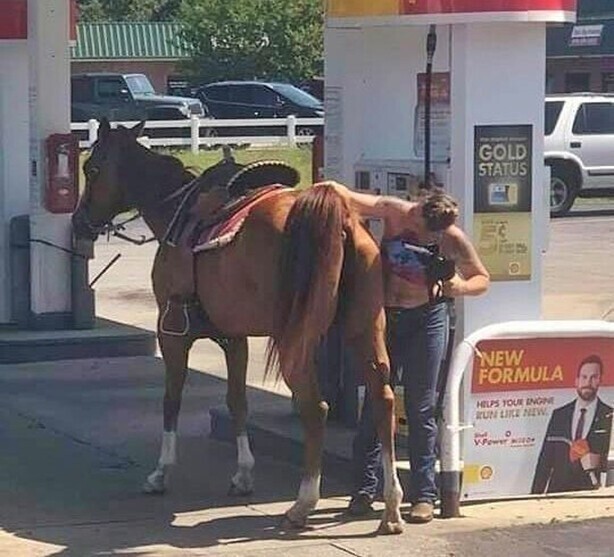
{"x":405,"y":178}
{"x":485,"y":68}
{"x":390,"y":123}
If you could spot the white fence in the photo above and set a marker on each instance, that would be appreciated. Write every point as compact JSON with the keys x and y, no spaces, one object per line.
{"x":207,"y":132}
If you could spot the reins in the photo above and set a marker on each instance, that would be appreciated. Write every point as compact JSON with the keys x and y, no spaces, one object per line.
{"x":179,"y":191}
{"x":113,"y":229}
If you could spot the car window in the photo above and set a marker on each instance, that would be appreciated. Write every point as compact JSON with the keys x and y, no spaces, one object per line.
{"x":296,"y":95}
{"x":110,"y":88}
{"x":594,"y":118}
{"x":553,"y":111}
{"x":239,"y":94}
{"x":81,"y":89}
{"x":140,"y":85}
{"x":216,"y":93}
{"x":261,"y":94}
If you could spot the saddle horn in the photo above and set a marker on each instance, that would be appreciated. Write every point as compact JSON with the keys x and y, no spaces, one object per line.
{"x":227,"y":154}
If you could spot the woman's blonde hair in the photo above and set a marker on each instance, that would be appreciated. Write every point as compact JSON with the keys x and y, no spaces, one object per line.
{"x":439,"y":209}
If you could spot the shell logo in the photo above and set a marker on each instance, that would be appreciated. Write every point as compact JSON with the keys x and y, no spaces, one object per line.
{"x":486,"y":473}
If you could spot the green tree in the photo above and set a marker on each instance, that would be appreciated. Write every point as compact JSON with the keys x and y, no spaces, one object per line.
{"x":128,"y":10}
{"x":254,"y":39}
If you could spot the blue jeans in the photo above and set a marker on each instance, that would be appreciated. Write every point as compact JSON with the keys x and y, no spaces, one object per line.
{"x":416,"y":340}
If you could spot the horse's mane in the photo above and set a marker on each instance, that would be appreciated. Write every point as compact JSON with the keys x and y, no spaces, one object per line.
{"x":155,"y":175}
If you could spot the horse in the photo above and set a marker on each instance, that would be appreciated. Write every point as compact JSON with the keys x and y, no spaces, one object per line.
{"x":301,"y":260}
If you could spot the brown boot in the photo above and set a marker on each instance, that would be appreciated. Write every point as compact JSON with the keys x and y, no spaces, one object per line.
{"x":421,"y":512}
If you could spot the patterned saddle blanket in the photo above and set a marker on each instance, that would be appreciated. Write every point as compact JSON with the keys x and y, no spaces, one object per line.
{"x":218,"y":232}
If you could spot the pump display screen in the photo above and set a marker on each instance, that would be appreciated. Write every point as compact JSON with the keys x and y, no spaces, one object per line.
{"x":505,"y":194}
{"x":402,"y":184}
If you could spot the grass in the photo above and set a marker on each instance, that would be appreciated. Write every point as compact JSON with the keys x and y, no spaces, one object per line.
{"x":295,"y":157}
{"x":299,"y":158}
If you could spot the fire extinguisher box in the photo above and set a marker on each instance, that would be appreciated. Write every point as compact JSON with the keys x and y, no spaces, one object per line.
{"x":62,"y":182}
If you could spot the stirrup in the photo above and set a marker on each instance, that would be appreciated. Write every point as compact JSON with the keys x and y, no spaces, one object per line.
{"x":186,"y":318}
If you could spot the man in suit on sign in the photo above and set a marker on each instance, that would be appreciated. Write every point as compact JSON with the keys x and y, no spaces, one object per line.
{"x":575,"y":450}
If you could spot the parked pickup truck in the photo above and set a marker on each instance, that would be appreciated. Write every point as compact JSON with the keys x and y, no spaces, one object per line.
{"x":126,"y":97}
{"x":579,"y":148}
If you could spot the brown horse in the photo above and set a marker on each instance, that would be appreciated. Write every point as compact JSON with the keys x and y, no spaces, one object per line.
{"x":299,"y":258}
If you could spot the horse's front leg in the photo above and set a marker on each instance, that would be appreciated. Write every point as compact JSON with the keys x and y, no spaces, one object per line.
{"x":175,"y":354}
{"x":236,"y":353}
{"x":374,"y":359}
{"x":313,"y":412}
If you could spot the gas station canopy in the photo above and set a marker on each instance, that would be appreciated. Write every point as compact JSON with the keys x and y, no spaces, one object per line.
{"x":408,"y":12}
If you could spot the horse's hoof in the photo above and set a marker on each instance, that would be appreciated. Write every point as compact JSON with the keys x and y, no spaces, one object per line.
{"x":289,"y":523}
{"x":388,"y":528}
{"x":154,"y":487}
{"x":239,"y":490}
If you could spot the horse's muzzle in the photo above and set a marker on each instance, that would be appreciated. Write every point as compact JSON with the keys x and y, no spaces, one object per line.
{"x":83,"y":227}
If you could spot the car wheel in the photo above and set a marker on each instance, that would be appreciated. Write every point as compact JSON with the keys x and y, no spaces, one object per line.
{"x":563,"y":193}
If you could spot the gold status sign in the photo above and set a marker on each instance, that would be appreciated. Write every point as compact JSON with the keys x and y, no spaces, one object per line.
{"x":502,"y":199}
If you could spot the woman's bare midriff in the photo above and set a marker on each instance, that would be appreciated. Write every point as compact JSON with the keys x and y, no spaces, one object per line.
{"x":402,"y":294}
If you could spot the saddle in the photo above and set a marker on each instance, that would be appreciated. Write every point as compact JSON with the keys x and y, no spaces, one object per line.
{"x":211,"y":211}
{"x":222,"y":191}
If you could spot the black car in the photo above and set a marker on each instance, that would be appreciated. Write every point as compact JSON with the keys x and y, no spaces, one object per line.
{"x":258,"y":99}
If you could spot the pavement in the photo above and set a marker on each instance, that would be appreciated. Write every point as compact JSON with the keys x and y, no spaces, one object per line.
{"x":78,"y":437}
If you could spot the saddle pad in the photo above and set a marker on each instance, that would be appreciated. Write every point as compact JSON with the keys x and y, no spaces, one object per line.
{"x":222,"y":233}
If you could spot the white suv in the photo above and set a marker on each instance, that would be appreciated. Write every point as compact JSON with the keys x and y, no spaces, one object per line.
{"x":579,"y":148}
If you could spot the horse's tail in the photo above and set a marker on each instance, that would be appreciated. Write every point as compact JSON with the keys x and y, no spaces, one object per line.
{"x":309,"y":279}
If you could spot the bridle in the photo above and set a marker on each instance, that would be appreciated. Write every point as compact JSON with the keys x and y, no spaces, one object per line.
{"x":109,"y":228}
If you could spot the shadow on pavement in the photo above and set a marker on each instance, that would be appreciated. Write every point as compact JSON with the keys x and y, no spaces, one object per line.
{"x":79,"y":437}
{"x":589,"y":213}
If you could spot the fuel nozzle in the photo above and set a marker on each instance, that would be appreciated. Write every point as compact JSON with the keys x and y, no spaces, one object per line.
{"x":431,"y":43}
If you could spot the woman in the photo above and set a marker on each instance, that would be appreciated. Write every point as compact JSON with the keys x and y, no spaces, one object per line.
{"x":416,"y":317}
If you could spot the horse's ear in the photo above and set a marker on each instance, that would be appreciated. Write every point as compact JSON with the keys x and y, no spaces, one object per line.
{"x":104,"y":128}
{"x":138,"y":129}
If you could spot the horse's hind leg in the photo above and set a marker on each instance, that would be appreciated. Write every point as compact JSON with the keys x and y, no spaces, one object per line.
{"x":175,"y":353}
{"x":313,"y":412}
{"x":235,"y":351}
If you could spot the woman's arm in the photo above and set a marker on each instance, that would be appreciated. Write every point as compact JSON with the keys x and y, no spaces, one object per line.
{"x":368,"y":205}
{"x":473,"y":279}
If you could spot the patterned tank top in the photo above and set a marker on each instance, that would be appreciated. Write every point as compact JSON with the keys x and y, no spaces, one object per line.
{"x":406,"y":259}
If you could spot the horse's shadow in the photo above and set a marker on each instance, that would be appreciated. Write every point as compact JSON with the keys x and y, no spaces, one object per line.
{"x":182,"y":520}
{"x":75,"y":483}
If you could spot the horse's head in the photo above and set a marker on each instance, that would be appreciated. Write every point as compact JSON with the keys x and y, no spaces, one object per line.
{"x":106,"y":179}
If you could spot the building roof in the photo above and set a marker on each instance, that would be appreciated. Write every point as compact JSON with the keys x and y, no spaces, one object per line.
{"x":128,"y":40}
{"x":559,"y":43}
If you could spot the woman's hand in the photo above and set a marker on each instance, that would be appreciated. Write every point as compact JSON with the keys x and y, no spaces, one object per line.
{"x":454,"y":287}
{"x":342,"y":190}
